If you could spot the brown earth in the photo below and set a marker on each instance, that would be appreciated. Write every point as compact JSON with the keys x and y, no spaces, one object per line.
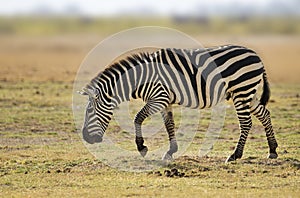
{"x":58,"y":58}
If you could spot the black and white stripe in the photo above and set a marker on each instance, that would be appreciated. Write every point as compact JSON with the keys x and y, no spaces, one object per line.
{"x":198,"y":78}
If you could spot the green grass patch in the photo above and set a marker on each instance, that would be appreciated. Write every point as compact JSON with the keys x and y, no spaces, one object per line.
{"x":210,"y":25}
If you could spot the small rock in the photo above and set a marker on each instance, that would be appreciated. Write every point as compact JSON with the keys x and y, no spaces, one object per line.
{"x":167,"y":173}
{"x":158,"y":173}
{"x":67,"y":170}
{"x":205,"y":169}
{"x":174,"y":172}
{"x":181,"y":174}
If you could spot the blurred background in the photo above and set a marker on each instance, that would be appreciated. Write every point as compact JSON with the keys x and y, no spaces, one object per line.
{"x":47,"y":40}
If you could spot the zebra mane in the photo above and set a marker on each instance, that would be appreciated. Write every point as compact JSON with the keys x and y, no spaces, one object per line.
{"x":140,"y":57}
{"x":132,"y":59}
{"x":127,"y":61}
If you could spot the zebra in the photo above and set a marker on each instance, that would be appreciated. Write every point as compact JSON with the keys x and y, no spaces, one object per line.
{"x":193,"y":78}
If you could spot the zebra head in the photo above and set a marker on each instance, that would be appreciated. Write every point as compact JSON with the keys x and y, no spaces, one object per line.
{"x":97,"y":116}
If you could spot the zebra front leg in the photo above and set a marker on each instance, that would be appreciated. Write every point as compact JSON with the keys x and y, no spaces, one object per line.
{"x":140,"y":146}
{"x":170,"y":127}
{"x":151,"y":107}
{"x":139,"y":140}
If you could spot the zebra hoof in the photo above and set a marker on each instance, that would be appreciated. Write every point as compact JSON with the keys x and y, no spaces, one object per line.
{"x":272,"y":156}
{"x":144,"y":151}
{"x":167,"y":157}
{"x":231,"y":158}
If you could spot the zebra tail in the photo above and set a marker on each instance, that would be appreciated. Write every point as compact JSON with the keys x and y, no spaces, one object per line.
{"x":266,"y":91}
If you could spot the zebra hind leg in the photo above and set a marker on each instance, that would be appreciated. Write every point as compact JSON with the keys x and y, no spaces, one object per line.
{"x":167,"y":115}
{"x":263,"y":115}
{"x":245,"y":121}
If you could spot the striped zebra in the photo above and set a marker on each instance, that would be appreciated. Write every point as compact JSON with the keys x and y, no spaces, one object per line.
{"x":194,"y":78}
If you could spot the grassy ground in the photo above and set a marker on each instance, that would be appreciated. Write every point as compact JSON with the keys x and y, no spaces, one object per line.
{"x":41,"y":153}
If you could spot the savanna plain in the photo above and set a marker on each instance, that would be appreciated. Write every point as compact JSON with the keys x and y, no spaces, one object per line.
{"x":43,"y":155}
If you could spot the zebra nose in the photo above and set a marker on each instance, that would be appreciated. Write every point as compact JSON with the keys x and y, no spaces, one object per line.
{"x":91,"y":138}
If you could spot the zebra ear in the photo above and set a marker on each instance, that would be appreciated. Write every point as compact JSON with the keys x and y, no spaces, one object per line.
{"x":90,"y":92}
{"x":82,"y":93}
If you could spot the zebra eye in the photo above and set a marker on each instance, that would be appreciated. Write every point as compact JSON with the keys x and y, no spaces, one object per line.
{"x":90,"y":105}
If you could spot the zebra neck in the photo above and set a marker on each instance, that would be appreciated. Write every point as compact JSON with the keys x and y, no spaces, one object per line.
{"x":124,"y":80}
{"x":122,"y":83}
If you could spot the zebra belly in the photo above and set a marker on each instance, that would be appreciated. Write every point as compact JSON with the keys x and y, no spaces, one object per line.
{"x":196,"y":92}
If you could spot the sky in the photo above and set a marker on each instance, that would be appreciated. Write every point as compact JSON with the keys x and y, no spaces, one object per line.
{"x":136,"y":7}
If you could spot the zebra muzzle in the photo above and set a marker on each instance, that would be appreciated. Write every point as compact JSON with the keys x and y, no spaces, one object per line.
{"x":91,"y":138}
